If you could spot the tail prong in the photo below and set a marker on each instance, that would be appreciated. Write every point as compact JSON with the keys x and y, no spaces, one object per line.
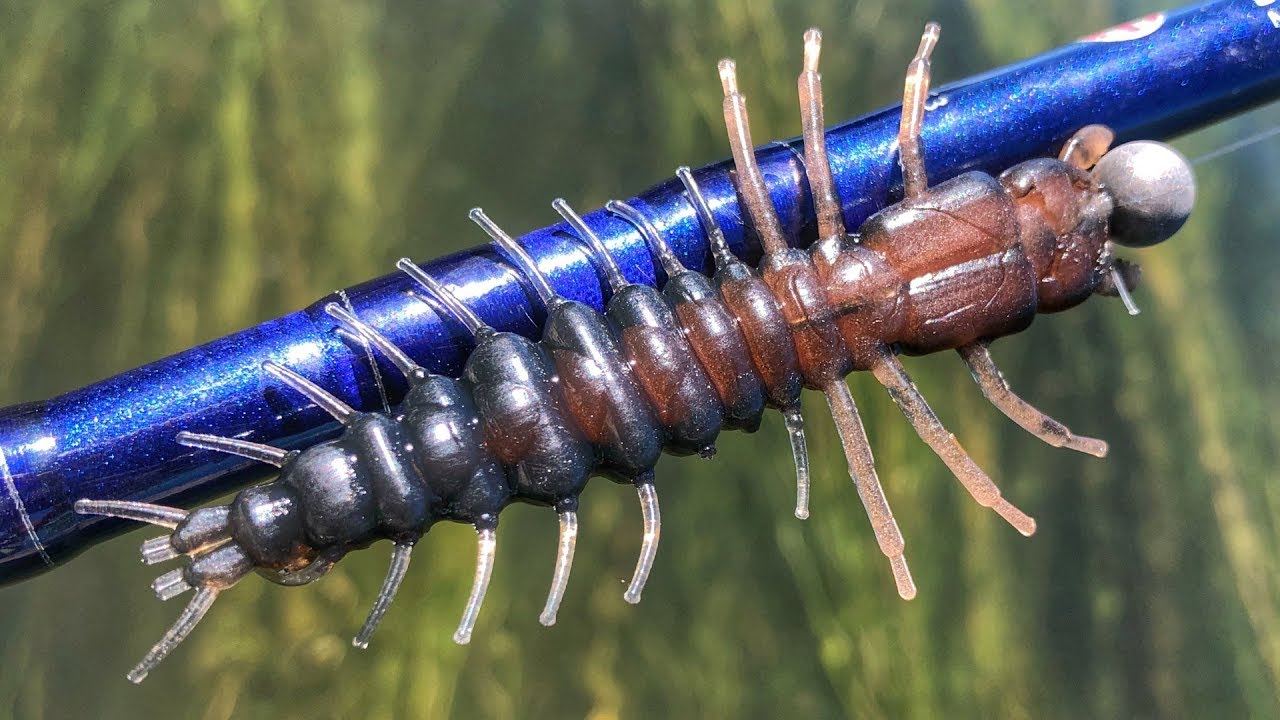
{"x":158,"y":550}
{"x":131,"y":510}
{"x":186,"y":622}
{"x":171,"y":584}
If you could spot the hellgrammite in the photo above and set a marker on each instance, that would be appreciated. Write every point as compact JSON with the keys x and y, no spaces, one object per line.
{"x":950,"y":267}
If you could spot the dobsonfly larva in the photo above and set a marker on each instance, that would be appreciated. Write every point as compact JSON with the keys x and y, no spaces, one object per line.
{"x":950,"y":267}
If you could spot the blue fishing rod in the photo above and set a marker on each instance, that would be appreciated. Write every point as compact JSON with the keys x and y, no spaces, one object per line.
{"x":1155,"y":77}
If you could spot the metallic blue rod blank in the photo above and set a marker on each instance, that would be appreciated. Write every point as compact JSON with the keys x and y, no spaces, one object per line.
{"x":115,"y":439}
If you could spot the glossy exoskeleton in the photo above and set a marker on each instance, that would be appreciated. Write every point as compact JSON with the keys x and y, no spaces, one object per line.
{"x":951,"y":266}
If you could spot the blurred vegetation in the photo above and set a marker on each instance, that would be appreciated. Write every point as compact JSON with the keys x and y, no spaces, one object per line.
{"x":177,"y":171}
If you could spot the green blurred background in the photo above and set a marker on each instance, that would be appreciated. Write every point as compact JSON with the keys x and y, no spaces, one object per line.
{"x":173,"y":172}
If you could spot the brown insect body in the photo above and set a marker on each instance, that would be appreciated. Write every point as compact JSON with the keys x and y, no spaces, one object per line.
{"x":969,"y":260}
{"x":951,"y":266}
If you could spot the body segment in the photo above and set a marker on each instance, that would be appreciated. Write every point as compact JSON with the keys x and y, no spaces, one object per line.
{"x":675,"y":383}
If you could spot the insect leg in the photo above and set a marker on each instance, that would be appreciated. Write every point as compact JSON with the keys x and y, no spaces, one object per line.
{"x":1121,"y":287}
{"x":361,"y":329}
{"x":451,"y":302}
{"x":1087,"y":146}
{"x":825,"y":203}
{"x":857,"y":451}
{"x":519,"y":257}
{"x":996,"y":388}
{"x":232,"y":446}
{"x":390,"y":585}
{"x":720,"y":250}
{"x":652,"y":532}
{"x":914,"y":94}
{"x":487,"y":546}
{"x":564,"y":564}
{"x":327,"y":401}
{"x":800,"y":454}
{"x":893,"y":376}
{"x":750,"y":180}
{"x":612,"y":272}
